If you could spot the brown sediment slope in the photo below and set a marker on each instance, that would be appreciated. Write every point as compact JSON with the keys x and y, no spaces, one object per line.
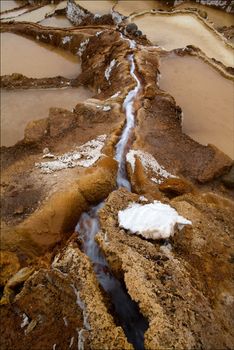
{"x":66,"y":163}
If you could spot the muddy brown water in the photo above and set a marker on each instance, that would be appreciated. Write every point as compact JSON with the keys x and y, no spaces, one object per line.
{"x":218,"y":17}
{"x":179,"y":30}
{"x":100,"y":7}
{"x":205,"y":97}
{"x":57,"y":21}
{"x":21,"y":106}
{"x":33,"y":59}
{"x":127,"y":7}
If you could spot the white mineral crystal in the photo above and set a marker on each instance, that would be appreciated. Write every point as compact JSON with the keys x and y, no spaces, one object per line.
{"x":154,"y":221}
{"x":83,"y":156}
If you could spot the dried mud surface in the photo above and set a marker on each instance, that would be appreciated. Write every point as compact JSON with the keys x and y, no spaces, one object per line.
{"x":51,"y":298}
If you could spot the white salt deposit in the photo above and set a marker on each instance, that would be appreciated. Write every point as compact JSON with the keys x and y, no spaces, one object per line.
{"x":149,"y":163}
{"x":84,"y":156}
{"x":82,"y":47}
{"x":66,"y":39}
{"x":109,"y":69}
{"x":71,"y":342}
{"x":25,"y":321}
{"x":75,"y":14}
{"x":106,"y":108}
{"x":116,"y":94}
{"x":155,"y":220}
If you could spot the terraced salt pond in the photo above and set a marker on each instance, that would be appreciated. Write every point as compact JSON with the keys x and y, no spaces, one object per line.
{"x":8,"y":5}
{"x":218,"y":17}
{"x":56,"y":21}
{"x":205,"y":97}
{"x":100,"y":7}
{"x":25,"y":56}
{"x":128,"y":7}
{"x":21,"y":106}
{"x":179,"y":30}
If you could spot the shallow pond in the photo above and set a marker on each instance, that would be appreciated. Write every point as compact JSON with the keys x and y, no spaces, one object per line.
{"x":205,"y":97}
{"x":26,"y":56}
{"x":8,"y":5}
{"x":218,"y":17}
{"x":177,"y":31}
{"x":21,"y":106}
{"x":56,"y":21}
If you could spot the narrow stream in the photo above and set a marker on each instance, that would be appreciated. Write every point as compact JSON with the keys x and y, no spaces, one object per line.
{"x":126,"y":310}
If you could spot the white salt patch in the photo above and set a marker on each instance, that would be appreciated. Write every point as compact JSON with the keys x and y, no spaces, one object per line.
{"x":98,"y":33}
{"x":143,"y":199}
{"x":82,"y":307}
{"x":81,"y":339}
{"x":84,"y":156}
{"x":149,"y":163}
{"x":82,"y":47}
{"x":66,"y":39}
{"x":132,"y":43}
{"x":155,"y":220}
{"x":97,"y":16}
{"x":25,"y":321}
{"x":116,"y":95}
{"x":109,"y":69}
{"x":106,"y":108}
{"x":71,"y":342}
{"x":48,"y":155}
{"x":75,"y":14}
{"x":65,"y":321}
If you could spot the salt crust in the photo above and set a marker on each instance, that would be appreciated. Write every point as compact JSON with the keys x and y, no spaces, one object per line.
{"x":149,"y":163}
{"x":153,"y":221}
{"x":109,"y":69}
{"x":84,"y":156}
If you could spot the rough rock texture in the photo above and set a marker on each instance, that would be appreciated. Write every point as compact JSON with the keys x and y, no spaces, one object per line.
{"x":66,"y":300}
{"x":184,"y":291}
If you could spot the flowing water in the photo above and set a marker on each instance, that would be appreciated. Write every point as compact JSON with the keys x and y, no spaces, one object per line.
{"x":126,"y":310}
{"x":56,"y":21}
{"x":21,"y":106}
{"x":179,"y":30}
{"x":205,"y":97}
{"x":33,"y":59}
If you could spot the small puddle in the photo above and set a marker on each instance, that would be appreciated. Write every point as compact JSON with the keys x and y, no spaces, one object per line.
{"x":218,"y":17}
{"x":205,"y":97}
{"x":21,"y":106}
{"x":32,"y":16}
{"x":25,"y":56}
{"x":177,"y":31}
{"x":97,"y":6}
{"x":8,"y":5}
{"x":56,"y":21}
